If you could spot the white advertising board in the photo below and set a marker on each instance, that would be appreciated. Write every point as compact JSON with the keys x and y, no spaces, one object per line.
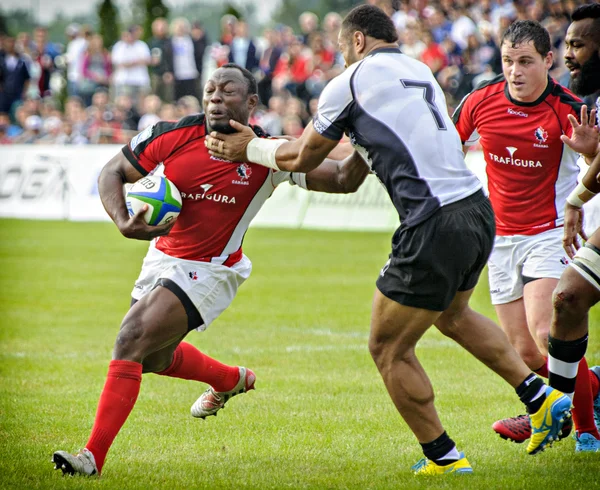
{"x":56,"y":182}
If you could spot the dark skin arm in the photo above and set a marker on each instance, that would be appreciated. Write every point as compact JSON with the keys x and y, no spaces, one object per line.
{"x":115,"y":173}
{"x":302,"y":155}
{"x":338,"y":176}
{"x":342,"y":172}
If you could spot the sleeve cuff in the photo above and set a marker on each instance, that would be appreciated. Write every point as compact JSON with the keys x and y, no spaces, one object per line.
{"x":131,"y":157}
{"x":299,"y":179}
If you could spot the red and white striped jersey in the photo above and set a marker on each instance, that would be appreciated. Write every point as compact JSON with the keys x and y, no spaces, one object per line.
{"x":220,"y":198}
{"x":530,"y":170}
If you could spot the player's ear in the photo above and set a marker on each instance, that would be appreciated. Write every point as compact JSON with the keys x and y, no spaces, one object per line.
{"x":359,"y":40}
{"x":252,"y":102}
{"x":549,"y":59}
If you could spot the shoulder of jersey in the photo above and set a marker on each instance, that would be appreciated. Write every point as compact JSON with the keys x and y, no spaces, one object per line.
{"x":567,"y":97}
{"x":494,"y":85}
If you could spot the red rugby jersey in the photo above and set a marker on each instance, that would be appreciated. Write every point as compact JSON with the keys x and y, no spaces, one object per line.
{"x":530,"y":171}
{"x":220,"y":198}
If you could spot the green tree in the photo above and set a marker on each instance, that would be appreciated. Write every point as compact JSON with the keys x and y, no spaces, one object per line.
{"x":108,"y":23}
{"x":3,"y":26}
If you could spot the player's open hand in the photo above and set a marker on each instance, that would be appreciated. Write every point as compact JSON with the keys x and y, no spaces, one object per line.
{"x":230,"y":147}
{"x":573,"y":229}
{"x":136,"y":227}
{"x":584,"y":139}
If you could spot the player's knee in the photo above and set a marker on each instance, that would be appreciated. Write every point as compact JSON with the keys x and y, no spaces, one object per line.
{"x":386,"y":350}
{"x":566,"y":302}
{"x":129,"y":344}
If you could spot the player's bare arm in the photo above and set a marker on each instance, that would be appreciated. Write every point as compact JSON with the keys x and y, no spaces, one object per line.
{"x":584,"y":139}
{"x":585,"y":191}
{"x":115,"y":173}
{"x":338,"y":176}
{"x":301,"y":155}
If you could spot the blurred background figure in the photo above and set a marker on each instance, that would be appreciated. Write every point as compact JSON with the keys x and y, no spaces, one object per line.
{"x":185,"y":69}
{"x":43,"y":54}
{"x":269,"y":58}
{"x":186,"y":106}
{"x":201,"y":42}
{"x":309,"y":23}
{"x":243,"y":50}
{"x":150,"y":108}
{"x":14,"y":75}
{"x":76,"y":47}
{"x":130,"y":58}
{"x":96,"y":69}
{"x":161,"y":65}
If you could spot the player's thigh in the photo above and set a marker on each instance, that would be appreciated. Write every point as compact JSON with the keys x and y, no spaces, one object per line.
{"x":156,"y":321}
{"x":395,"y":326}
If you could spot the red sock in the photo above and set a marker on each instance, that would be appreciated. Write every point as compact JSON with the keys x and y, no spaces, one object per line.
{"x":190,"y":363}
{"x":116,"y":402}
{"x":595,"y":382}
{"x":543,"y":370}
{"x":583,"y":411}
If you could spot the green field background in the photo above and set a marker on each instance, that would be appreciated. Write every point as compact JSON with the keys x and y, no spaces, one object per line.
{"x":320,"y":417}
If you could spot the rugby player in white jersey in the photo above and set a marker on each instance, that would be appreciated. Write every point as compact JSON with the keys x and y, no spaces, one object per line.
{"x":395,"y":114}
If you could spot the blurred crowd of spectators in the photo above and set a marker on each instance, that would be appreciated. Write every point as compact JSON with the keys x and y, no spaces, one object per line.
{"x":111,"y":95}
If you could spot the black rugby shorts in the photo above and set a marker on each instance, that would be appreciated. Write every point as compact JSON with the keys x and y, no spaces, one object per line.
{"x":445,"y":254}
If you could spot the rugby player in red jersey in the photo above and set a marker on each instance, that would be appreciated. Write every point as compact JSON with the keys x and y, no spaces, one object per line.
{"x":195,"y":264}
{"x":519,"y":118}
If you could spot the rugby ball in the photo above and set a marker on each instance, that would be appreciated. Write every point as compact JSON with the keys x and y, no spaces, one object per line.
{"x":161,"y":196}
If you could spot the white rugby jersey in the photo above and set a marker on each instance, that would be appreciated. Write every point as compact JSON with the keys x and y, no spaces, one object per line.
{"x":394,"y":112}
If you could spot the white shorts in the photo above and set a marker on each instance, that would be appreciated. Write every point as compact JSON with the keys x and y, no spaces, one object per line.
{"x":531,"y":256}
{"x":210,"y":287}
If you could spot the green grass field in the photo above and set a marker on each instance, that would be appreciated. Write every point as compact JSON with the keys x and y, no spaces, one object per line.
{"x":320,"y":417}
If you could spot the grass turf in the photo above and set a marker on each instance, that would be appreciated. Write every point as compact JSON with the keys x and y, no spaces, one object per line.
{"x":320,"y":417}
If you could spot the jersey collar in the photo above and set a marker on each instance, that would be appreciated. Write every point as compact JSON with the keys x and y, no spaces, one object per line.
{"x":539,"y":100}
{"x":384,"y":50}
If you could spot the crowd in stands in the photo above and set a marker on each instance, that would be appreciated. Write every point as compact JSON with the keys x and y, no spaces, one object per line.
{"x":113,"y":94}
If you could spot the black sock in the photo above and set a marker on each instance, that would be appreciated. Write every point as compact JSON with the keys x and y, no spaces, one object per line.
{"x":562,"y":374}
{"x":438,"y":449}
{"x":532,"y":392}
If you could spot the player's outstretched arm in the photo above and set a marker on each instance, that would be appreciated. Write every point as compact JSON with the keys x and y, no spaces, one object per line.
{"x":584,"y":138}
{"x":338,"y":176}
{"x":302,"y":155}
{"x":585,"y":191}
{"x":115,"y":173}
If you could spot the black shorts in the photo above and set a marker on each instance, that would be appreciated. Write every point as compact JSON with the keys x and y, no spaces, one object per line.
{"x":445,"y":254}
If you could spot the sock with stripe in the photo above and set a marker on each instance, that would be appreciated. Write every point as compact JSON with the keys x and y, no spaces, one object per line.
{"x":116,"y":402}
{"x":532,"y":392}
{"x":563,"y":362}
{"x":442,"y":451}
{"x":189,"y":363}
{"x":570,"y":374}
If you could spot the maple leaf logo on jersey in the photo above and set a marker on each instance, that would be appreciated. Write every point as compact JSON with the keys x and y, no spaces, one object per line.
{"x":193,"y":275}
{"x":541,"y":134}
{"x":244,"y":171}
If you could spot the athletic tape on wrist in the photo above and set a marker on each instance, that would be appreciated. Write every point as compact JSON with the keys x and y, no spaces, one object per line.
{"x":262,"y":151}
{"x":580,"y":195}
